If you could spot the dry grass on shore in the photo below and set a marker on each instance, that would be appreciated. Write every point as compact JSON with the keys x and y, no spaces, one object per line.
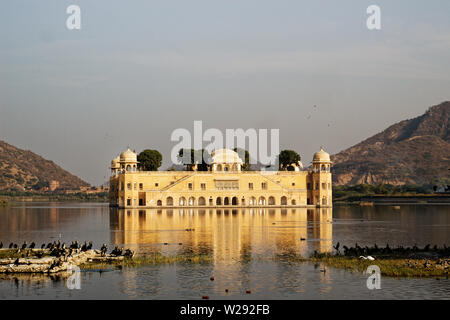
{"x":391,"y":267}
{"x":150,"y":259}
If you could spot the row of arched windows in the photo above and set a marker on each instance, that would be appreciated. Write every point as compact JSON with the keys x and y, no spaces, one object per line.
{"x":226,"y":201}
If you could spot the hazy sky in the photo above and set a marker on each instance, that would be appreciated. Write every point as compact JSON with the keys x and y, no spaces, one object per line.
{"x":137,"y":70}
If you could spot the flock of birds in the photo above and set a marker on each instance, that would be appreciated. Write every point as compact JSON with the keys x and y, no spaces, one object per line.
{"x":58,"y":249}
{"x":387,"y":250}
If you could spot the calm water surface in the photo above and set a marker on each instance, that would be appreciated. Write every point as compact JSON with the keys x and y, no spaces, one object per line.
{"x":242,"y":242}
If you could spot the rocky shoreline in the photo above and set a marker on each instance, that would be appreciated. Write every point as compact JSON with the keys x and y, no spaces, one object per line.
{"x":41,"y":260}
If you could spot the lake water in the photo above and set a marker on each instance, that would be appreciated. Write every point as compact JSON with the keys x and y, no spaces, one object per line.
{"x":242,"y":242}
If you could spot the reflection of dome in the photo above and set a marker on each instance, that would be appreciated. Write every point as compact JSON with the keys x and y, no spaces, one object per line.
{"x":225,"y":156}
{"x":128,"y":156}
{"x":115,"y":163}
{"x":321,"y":156}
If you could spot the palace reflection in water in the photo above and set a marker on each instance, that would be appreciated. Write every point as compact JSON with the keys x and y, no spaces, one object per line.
{"x":226,"y":234}
{"x":242,"y":243}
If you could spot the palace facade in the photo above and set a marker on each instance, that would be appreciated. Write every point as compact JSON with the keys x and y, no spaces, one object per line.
{"x":225,"y":185}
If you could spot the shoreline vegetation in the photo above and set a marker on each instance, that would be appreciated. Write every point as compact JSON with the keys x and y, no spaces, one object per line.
{"x":390,"y":267}
{"x":429,"y":261}
{"x":367,"y":195}
{"x":148,"y":259}
{"x":29,"y":196}
{"x":397,"y":262}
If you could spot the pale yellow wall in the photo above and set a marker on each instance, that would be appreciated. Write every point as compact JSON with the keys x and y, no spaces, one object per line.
{"x":292,"y":185}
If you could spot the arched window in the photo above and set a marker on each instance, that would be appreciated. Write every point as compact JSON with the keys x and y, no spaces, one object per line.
{"x":201,"y":201}
{"x":192,"y":201}
{"x":293,"y":202}
{"x":234,"y":201}
{"x":283,"y":201}
{"x":169,"y":201}
{"x":324,"y":200}
{"x":219,"y":201}
{"x":262,"y":201}
{"x":252,"y":201}
{"x":128,"y":167}
{"x":182,"y":201}
{"x":159,"y":203}
{"x":226,"y":201}
{"x":271,"y":201}
{"x":225,"y":168}
{"x":219,"y":167}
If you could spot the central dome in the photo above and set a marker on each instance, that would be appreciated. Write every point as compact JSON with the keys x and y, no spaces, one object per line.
{"x":225,"y":156}
{"x":128,"y":156}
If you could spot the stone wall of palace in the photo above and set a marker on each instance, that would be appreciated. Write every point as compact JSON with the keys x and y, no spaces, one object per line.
{"x":215,"y":189}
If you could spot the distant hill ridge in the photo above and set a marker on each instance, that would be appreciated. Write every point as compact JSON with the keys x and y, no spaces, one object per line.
{"x":415,"y":151}
{"x":22,"y":169}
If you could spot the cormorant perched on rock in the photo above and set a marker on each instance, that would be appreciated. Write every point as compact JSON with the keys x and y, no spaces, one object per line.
{"x":54,"y":263}
{"x":117,"y":252}
{"x":1,"y":245}
{"x":32,"y":245}
{"x":345,"y":250}
{"x":89,"y":247}
{"x":49,"y":245}
{"x":58,"y":245}
{"x":337,"y":246}
{"x":75,"y":245}
{"x":16,"y":263}
{"x":56,"y":252}
{"x":129,"y":253}
{"x":103,"y":249}
{"x":84,"y":247}
{"x":24,"y":246}
{"x":15,"y":245}
{"x":43,"y":246}
{"x":11,"y":245}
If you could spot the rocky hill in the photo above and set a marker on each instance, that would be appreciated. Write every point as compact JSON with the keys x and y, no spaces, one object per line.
{"x":415,"y":151}
{"x":22,"y":169}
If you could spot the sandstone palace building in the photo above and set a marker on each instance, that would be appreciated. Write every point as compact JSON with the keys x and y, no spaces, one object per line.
{"x":224,"y":185}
